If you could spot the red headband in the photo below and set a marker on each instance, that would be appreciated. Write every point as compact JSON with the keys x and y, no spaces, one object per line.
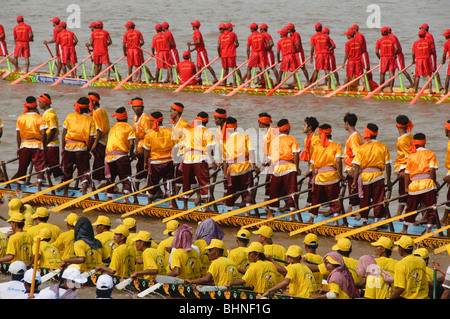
{"x":284,"y":127}
{"x":92,"y":98}
{"x":221,"y":115}
{"x":447,"y":125}
{"x":177,"y":107}
{"x":29,"y":106}
{"x":368,"y":133}
{"x":323,"y":136}
{"x":415,"y":143}
{"x":408,"y":126}
{"x":120,"y":116}
{"x":265,"y":119}
{"x":199,"y":119}
{"x":44,"y":98}
{"x":136,"y":103}
{"x":156,"y":122}
{"x":79,"y":106}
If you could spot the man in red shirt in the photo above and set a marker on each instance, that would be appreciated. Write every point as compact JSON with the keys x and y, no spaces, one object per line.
{"x":353,"y":53}
{"x":66,"y":40}
{"x":365,"y":55}
{"x":331,"y":56}
{"x":23,"y":34}
{"x":433,"y":57}
{"x":132,"y":42}
{"x":286,"y":47}
{"x":400,"y":58}
{"x":446,"y":34}
{"x":299,"y":52}
{"x":161,"y":45}
{"x":256,"y":47}
{"x":270,"y":55}
{"x":199,"y":46}
{"x":320,"y":46}
{"x":3,"y":47}
{"x":186,"y":70}
{"x":56,"y":31}
{"x":421,"y":55}
{"x":386,"y":49}
{"x":174,"y":58}
{"x":226,"y":48}
{"x":100,"y":41}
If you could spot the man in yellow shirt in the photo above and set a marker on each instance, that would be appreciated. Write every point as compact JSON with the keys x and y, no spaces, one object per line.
{"x":446,"y":179}
{"x":76,"y":142}
{"x":238,"y":254}
{"x":284,"y":157}
{"x":52,"y":153}
{"x":311,"y":242}
{"x":19,"y":243}
{"x":268,"y":133}
{"x":64,"y":242}
{"x":165,"y":245}
{"x":31,"y":141}
{"x":220,"y":117}
{"x":326,"y":163}
{"x":104,"y":234}
{"x":404,"y":127}
{"x":420,"y":181}
{"x":41,"y":217}
{"x":48,"y":256}
{"x":119,"y":149}
{"x":371,"y":160}
{"x":344,"y":248}
{"x":152,"y":260}
{"x":410,"y":279}
{"x":383,"y":249}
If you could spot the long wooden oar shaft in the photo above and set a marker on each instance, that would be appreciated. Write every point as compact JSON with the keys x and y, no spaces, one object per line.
{"x":26,"y":176}
{"x":318,"y":81}
{"x":224,"y":78}
{"x":253,"y":78}
{"x":95,"y":78}
{"x":430,"y":234}
{"x":441,"y":249}
{"x":379,"y":88}
{"x":73,"y":69}
{"x":35,"y":266}
{"x":182,"y":86}
{"x":45,"y":191}
{"x":6,"y":57}
{"x":32,"y":71}
{"x":132,"y":73}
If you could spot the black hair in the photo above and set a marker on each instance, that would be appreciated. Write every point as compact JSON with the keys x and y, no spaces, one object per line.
{"x":282,"y":122}
{"x":351,"y":119}
{"x":179,"y":104}
{"x":372,"y":127}
{"x":47,"y":95}
{"x":221,"y":111}
{"x":156,"y":114}
{"x":30,"y":99}
{"x":312,"y":122}
{"x":264,"y":114}
{"x":136,"y":98}
{"x":402,"y":119}
{"x":419,"y":136}
{"x":319,"y":28}
{"x":231,"y":120}
{"x":325,"y":127}
{"x":203,"y":114}
{"x":103,"y":293}
{"x":121,"y":110}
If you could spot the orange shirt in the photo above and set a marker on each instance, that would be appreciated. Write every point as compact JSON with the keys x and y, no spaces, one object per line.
{"x":119,"y":141}
{"x":372,"y":154}
{"x":282,"y":150}
{"x":237,"y":153}
{"x":403,"y":145}
{"x":51,"y":119}
{"x":141,"y":126}
{"x":196,"y":144}
{"x":101,"y":120}
{"x":160,"y":144}
{"x":421,"y":162}
{"x":324,"y":157}
{"x":352,"y":143}
{"x":29,"y":125}
{"x":315,"y":140}
{"x":80,"y":127}
{"x":178,"y":129}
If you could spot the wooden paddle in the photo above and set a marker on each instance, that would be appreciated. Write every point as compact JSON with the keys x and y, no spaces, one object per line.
{"x":30,"y":72}
{"x":350,"y":83}
{"x":6,"y":57}
{"x":437,"y":231}
{"x":318,"y":81}
{"x":35,"y":266}
{"x":182,"y":86}
{"x":253,"y":78}
{"x":386,"y":221}
{"x":47,"y":190}
{"x":426,"y":84}
{"x":73,"y":69}
{"x":132,"y":73}
{"x":169,"y":198}
{"x":287,"y":77}
{"x":379,"y":88}
{"x":26,"y":176}
{"x":443,"y":98}
{"x":441,"y":249}
{"x":224,"y":78}
{"x":123,"y":283}
{"x":102,"y":72}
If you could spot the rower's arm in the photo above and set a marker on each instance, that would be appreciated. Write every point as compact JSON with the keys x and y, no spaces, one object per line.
{"x":63,"y":139}
{"x":397,"y":292}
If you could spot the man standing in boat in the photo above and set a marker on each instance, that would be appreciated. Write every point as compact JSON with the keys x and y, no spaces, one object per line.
{"x":174,"y":57}
{"x":270,"y":55}
{"x":226,"y":48}
{"x":353,"y":56}
{"x":23,"y":35}
{"x":256,"y":46}
{"x":386,"y":49}
{"x":421,"y":56}
{"x":362,"y":40}
{"x":132,"y":42}
{"x":100,"y":41}
{"x":56,"y":30}
{"x":186,"y":70}
{"x":161,"y":50}
{"x":67,"y":41}
{"x":286,"y":50}
{"x":400,"y":58}
{"x":299,"y":52}
{"x":320,"y":46}
{"x":433,"y":58}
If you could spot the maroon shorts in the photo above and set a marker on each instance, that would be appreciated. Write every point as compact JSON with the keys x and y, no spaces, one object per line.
{"x":99,"y":161}
{"x":322,"y":62}
{"x":324,"y":193}
{"x":134,"y":57}
{"x":257,"y":59}
{"x":387,"y":64}
{"x":288,"y":63}
{"x":28,"y":156}
{"x":199,"y":171}
{"x":229,"y":62}
{"x":22,"y":50}
{"x":354,"y":68}
{"x":120,"y":168}
{"x":80,"y":159}
{"x":68,"y":55}
{"x":401,"y":189}
{"x":101,"y":59}
{"x":239,"y":183}
{"x":426,"y":199}
{"x":162,"y":171}
{"x":142,"y":176}
{"x":282,"y":186}
{"x":52,"y":157}
{"x":373,"y":194}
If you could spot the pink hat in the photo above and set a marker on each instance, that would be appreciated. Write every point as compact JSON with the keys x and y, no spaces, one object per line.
{"x":253,"y":26}
{"x":196,"y":23}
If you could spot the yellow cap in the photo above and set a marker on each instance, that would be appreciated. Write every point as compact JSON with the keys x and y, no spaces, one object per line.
{"x":44,"y":233}
{"x":121,"y":229}
{"x":216,"y":243}
{"x":129,"y":222}
{"x":311,"y":239}
{"x":331,"y":260}
{"x":40,"y":212}
{"x":422,"y":252}
{"x":16,"y":217}
{"x":406,"y":242}
{"x":265,"y":231}
{"x":294,"y":251}
{"x":343,"y":244}
{"x":243,"y":234}
{"x":102,"y":220}
{"x":71,"y":219}
{"x":383,"y":241}
{"x":171,"y":226}
{"x":144,"y":236}
{"x":255,"y":246}
{"x":14,"y":206}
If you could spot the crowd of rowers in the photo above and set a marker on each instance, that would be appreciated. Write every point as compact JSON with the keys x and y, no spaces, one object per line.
{"x":201,"y":257}
{"x":260,"y":52}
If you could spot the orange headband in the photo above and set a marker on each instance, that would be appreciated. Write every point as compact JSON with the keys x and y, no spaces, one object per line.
{"x":156,"y":122}
{"x":120,"y":116}
{"x":447,"y":125}
{"x":265,"y":119}
{"x":29,"y":106}
{"x":323,"y":136}
{"x":415,"y":143}
{"x":408,"y":126}
{"x":221,"y":115}
{"x":284,"y":127}
{"x":177,"y":107}
{"x":136,"y":103}
{"x":79,"y":106}
{"x":44,"y":98}
{"x":368,"y":133}
{"x":92,"y":98}
{"x":199,"y":119}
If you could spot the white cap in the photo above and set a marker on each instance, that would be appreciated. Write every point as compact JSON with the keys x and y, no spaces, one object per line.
{"x":74,"y":274}
{"x":104,"y":282}
{"x":17,"y":267}
{"x":28,"y":277}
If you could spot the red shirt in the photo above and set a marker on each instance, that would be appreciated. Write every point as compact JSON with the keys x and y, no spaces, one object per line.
{"x":56,"y":32}
{"x":2,"y":31}
{"x":321,"y":42}
{"x":430,"y":39}
{"x":422,"y":48}
{"x":256,"y":41}
{"x":132,"y":37}
{"x":333,"y":45}
{"x":169,"y":36}
{"x":100,"y":37}
{"x":286,"y":46}
{"x":386,"y":46}
{"x":446,"y":46}
{"x":353,"y":49}
{"x":397,"y":42}
{"x":65,"y":38}
{"x":267,"y":37}
{"x":160,"y":42}
{"x":362,"y":40}
{"x":297,"y":41}
{"x":198,"y":35}
{"x":186,"y":69}
{"x":227,"y":44}
{"x":22,"y":32}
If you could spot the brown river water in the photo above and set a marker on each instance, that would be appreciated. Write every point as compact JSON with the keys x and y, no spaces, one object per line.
{"x":427,"y":117}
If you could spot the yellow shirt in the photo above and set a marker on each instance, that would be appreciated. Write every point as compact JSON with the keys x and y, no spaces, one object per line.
{"x":237,"y":153}
{"x":403,"y":145}
{"x":411,"y":275}
{"x":51,"y":119}
{"x":64,"y":243}
{"x":20,"y":246}
{"x":80,"y":128}
{"x":3,"y":244}
{"x":302,"y":282}
{"x":387,"y":264}
{"x":372,"y":154}
{"x":447,"y":158}
{"x":93,"y":257}
{"x":334,"y":287}
{"x":352,"y":264}
{"x":197,"y":143}
{"x":283,"y":148}
{"x":315,"y":259}
{"x":161,"y":248}
{"x":179,"y":128}
{"x":201,"y":244}
{"x":160,"y":144}
{"x":49,"y":255}
{"x":188,"y":262}
{"x":123,"y":260}
{"x":421,"y":162}
{"x":56,"y":231}
{"x":352,"y":143}
{"x":101,"y":120}
{"x":223,"y":271}
{"x":315,"y":140}
{"x":119,"y":141}
{"x":326,"y":157}
{"x":376,"y":288}
{"x":107,"y":240}
{"x":153,"y":259}
{"x":262,"y":275}
{"x":141,"y":126}
{"x":240,"y":258}
{"x":29,"y":126}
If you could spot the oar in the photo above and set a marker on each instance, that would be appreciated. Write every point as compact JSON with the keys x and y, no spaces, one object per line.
{"x":247,"y":82}
{"x":149,"y":290}
{"x":165,"y":220}
{"x":350,"y":82}
{"x":224,"y":78}
{"x":286,"y":78}
{"x":443,"y":98}
{"x":441,"y":249}
{"x":123,"y":283}
{"x":127,"y":195}
{"x":182,"y":86}
{"x":326,"y":221}
{"x":101,"y":73}
{"x":379,"y":88}
{"x":88,"y":273}
{"x":26,"y":176}
{"x":50,"y":275}
{"x":30,"y":72}
{"x":386,"y":221}
{"x":160,"y":279}
{"x":437,"y":231}
{"x":47,"y":190}
{"x":6,"y":57}
{"x":132,"y":73}
{"x":169,"y":198}
{"x":221,"y":288}
{"x":36,"y":259}
{"x":426,"y":84}
{"x":90,"y":194}
{"x":73,"y":69}
{"x":318,"y":81}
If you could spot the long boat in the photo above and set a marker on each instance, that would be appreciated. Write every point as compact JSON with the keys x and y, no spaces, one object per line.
{"x":399,"y":94}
